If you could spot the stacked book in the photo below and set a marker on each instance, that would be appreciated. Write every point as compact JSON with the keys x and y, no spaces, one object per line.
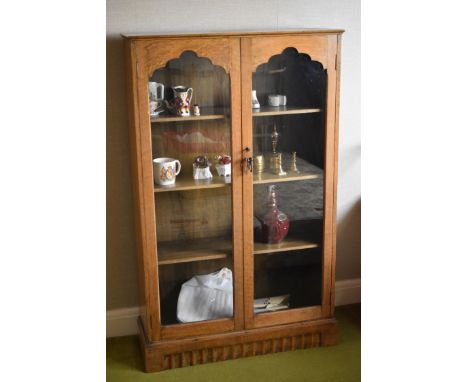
{"x":271,"y":304}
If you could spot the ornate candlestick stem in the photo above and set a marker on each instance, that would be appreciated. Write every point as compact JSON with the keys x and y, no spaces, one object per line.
{"x":293,"y":167}
{"x":275,"y":159}
{"x":274,"y":139}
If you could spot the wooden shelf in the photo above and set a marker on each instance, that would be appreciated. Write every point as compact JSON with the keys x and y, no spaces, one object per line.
{"x":207,"y":113}
{"x":306,"y":171}
{"x":186,"y":251}
{"x":185,"y":184}
{"x":267,"y":177}
{"x":266,"y":111}
{"x":303,"y":234}
{"x":288,"y":244}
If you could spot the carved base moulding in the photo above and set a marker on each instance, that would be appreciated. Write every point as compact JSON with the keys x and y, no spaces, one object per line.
{"x":199,"y":350}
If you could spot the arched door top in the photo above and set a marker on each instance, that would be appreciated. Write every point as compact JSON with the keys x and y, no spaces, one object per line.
{"x":157,"y":53}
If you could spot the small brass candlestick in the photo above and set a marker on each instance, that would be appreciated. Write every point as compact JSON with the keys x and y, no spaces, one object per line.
{"x":293,"y":167}
{"x":276,"y":158}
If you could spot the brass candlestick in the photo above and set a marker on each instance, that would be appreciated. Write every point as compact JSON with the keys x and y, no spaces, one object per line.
{"x":276,"y":166}
{"x":276,"y":158}
{"x":293,"y":167}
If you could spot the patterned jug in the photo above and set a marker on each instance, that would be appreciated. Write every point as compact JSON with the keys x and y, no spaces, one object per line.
{"x":180,"y":103}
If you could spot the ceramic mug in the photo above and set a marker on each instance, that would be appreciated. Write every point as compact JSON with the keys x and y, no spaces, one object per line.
{"x":165,"y":170}
{"x":156,"y":97}
{"x":156,"y":91}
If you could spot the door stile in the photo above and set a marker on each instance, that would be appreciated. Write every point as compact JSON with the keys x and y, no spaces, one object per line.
{"x":148,"y":202}
{"x":134,"y":139}
{"x":247,"y":180}
{"x":335,"y":180}
{"x":329,"y":181}
{"x":237,"y":201}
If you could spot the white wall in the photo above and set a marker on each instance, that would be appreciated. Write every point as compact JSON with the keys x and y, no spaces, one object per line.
{"x":155,"y":16}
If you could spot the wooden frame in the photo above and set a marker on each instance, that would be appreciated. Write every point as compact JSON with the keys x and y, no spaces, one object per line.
{"x":245,"y":334}
{"x":226,"y":54}
{"x":255,"y":51}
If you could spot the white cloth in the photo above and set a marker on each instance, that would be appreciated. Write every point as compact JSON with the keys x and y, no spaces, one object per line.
{"x":206,"y":297}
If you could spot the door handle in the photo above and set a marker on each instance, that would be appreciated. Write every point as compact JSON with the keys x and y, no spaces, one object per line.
{"x":249,"y":163}
{"x":248,"y":160}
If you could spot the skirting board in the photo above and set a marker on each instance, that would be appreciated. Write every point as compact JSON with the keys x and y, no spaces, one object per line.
{"x":123,"y":322}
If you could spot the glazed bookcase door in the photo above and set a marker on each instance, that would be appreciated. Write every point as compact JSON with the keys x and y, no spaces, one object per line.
{"x":288,"y":178}
{"x":195,"y":223}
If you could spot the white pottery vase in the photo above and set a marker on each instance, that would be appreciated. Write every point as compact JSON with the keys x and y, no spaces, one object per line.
{"x":200,"y":173}
{"x":255,"y":103}
{"x":224,"y":169}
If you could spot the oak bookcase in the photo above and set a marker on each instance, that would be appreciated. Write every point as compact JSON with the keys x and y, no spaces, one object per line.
{"x":198,"y":227}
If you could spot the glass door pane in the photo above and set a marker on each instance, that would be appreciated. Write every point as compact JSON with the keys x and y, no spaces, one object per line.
{"x":288,"y":101}
{"x":191,"y":133}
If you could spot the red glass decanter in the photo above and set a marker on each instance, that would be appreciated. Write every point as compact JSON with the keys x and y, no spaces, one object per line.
{"x":275,"y":224}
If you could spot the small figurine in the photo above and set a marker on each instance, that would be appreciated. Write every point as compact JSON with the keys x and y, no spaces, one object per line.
{"x":196,"y":110}
{"x":293,"y":167}
{"x":201,"y":168}
{"x":224,"y":165}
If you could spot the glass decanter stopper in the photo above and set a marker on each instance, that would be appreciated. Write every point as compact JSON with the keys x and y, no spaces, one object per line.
{"x":275,"y":224}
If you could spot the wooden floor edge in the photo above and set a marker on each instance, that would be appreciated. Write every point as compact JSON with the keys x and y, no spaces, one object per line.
{"x":176,"y":353}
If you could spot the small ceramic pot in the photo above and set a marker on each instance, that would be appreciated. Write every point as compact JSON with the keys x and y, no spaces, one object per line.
{"x":200,"y":173}
{"x":274,"y":100}
{"x":223,"y":169}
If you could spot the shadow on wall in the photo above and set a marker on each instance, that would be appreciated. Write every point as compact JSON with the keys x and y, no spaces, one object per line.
{"x":348,"y":249}
{"x":121,"y":265}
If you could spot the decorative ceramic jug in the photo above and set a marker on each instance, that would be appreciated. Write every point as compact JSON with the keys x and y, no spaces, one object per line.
{"x":180,"y":103}
{"x":275,"y":224}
